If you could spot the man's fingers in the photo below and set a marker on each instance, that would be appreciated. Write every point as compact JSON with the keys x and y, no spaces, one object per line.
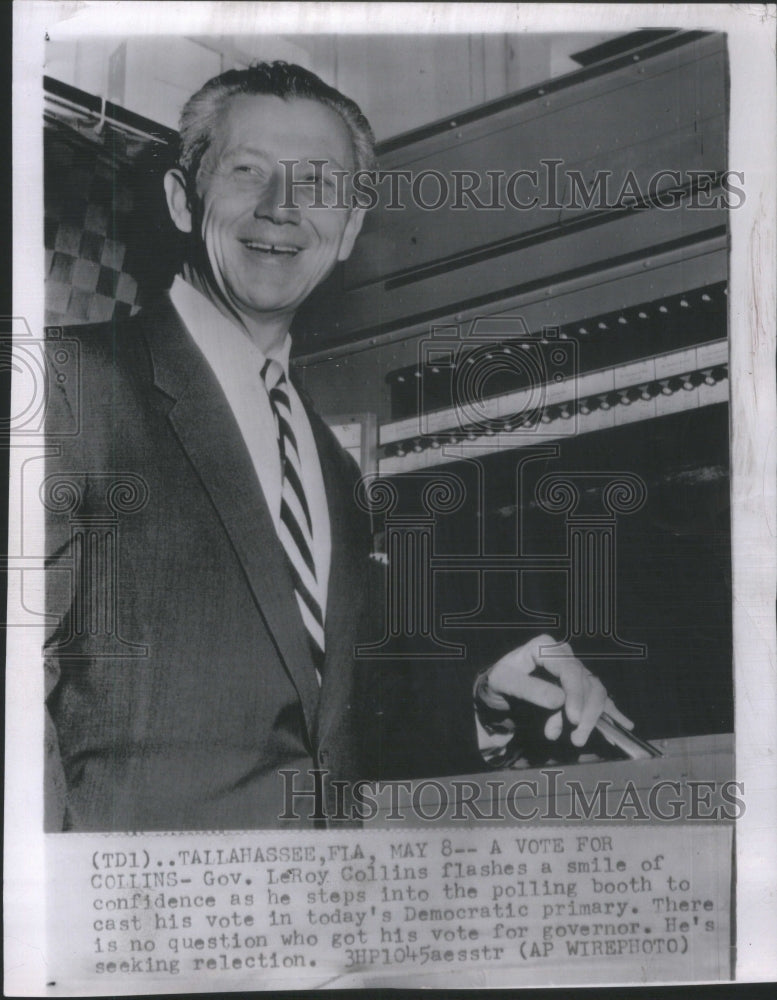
{"x":581,"y":695}
{"x":586,"y":697}
{"x":611,"y":709}
{"x":562,"y":663}
{"x":571,"y":674}
{"x":594,"y":699}
{"x":536,"y":691}
{"x":510,"y":676}
{"x":554,"y":726}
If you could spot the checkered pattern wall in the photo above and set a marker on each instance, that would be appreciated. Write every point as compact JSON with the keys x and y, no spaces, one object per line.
{"x":87,"y":208}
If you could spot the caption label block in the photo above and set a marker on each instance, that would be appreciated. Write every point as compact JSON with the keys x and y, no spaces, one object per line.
{"x":182,"y":912}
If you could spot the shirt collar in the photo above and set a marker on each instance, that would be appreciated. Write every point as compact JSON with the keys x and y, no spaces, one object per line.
{"x":209,"y":326}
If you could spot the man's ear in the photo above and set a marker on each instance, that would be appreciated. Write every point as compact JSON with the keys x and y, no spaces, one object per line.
{"x":352,"y":229}
{"x":178,"y":200}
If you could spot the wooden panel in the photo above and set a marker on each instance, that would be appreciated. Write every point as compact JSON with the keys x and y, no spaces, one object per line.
{"x":670,"y":120}
{"x":358,"y":373}
{"x":377,"y":308}
{"x":667,"y":112}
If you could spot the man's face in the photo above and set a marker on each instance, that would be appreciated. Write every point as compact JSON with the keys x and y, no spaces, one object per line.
{"x":262,"y":260}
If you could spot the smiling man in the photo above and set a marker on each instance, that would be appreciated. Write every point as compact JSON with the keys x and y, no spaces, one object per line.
{"x":257,"y":256}
{"x":208,"y":644}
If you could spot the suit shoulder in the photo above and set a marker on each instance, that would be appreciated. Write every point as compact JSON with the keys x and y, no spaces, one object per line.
{"x":92,"y":370}
{"x":94,"y":342}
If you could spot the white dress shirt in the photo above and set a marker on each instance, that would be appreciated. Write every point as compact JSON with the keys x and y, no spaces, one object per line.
{"x":237,"y":364}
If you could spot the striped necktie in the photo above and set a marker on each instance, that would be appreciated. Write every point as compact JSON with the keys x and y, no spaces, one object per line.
{"x":296,"y":527}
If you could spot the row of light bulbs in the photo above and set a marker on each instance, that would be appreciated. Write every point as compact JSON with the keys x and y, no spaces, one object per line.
{"x":565,"y":411}
{"x":582,"y":330}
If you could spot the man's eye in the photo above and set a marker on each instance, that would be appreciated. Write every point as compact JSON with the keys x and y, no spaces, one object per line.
{"x":317,"y":181}
{"x":246,"y":169}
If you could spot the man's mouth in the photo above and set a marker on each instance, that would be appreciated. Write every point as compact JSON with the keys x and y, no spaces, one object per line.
{"x":273,"y":249}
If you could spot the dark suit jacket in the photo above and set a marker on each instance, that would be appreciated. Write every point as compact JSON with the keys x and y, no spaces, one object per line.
{"x":179,"y":680}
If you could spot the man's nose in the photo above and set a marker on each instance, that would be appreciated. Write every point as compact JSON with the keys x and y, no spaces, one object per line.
{"x":277,"y":202}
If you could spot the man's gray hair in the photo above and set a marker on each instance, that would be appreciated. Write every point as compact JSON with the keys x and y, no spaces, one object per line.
{"x":202,"y":111}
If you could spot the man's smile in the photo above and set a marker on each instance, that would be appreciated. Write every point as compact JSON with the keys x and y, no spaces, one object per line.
{"x":264,"y":255}
{"x":275,"y":249}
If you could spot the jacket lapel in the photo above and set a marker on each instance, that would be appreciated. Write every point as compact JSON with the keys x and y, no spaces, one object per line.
{"x":208,"y":432}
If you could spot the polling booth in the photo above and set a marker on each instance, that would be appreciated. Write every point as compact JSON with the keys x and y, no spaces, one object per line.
{"x":561,"y":361}
{"x":526,"y":354}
